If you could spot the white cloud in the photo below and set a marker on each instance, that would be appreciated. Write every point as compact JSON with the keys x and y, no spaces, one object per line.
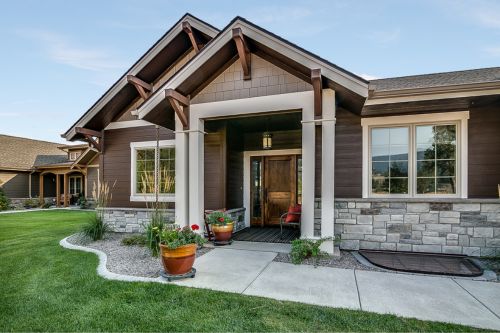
{"x":484,"y":13}
{"x":59,"y":49}
{"x":493,"y":51}
{"x":368,"y":77}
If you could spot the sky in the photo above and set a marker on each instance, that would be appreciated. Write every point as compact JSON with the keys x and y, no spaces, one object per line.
{"x":59,"y":56}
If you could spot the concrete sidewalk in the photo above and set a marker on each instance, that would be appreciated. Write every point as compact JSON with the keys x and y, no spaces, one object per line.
{"x":242,"y":268}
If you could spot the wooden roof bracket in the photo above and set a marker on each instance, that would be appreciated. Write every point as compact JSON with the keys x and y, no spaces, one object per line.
{"x":192,"y":37}
{"x":243,"y":53}
{"x":318,"y":92}
{"x":89,"y":136}
{"x":140,"y":85}
{"x":179,"y":103}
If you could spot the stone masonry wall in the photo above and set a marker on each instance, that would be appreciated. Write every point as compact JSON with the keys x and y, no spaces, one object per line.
{"x":136,"y":219}
{"x":131,"y":219}
{"x":461,"y":227}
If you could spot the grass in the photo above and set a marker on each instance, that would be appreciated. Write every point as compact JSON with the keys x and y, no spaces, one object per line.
{"x":44,"y":287}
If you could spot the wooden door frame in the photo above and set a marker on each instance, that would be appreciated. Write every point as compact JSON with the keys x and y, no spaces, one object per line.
{"x":246,"y":173}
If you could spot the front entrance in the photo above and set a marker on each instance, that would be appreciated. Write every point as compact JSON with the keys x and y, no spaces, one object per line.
{"x":275,"y":185}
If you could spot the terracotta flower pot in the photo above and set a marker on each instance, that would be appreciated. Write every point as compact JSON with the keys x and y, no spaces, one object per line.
{"x":223,"y":233}
{"x":178,"y":261}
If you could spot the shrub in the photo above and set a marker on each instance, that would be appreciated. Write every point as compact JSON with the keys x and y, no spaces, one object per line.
{"x":174,"y":237}
{"x":135,"y":240}
{"x":219,"y":218}
{"x":4,"y":201}
{"x":95,"y":228}
{"x":153,"y":230}
{"x":82,"y":202}
{"x":306,"y":248}
{"x":31,"y":203}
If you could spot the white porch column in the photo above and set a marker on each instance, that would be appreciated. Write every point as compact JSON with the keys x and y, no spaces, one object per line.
{"x":308,"y":157}
{"x":181,"y":175}
{"x":196,"y":175}
{"x":328,"y":164}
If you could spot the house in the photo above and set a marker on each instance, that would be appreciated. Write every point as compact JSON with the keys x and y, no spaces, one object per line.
{"x":242,"y":119}
{"x":45,"y":170}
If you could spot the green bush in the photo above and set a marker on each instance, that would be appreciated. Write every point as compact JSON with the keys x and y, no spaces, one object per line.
{"x":95,"y":228}
{"x":153,"y":231}
{"x":135,"y":240}
{"x":306,"y":248}
{"x":31,"y":203}
{"x":82,"y":202}
{"x":4,"y":201}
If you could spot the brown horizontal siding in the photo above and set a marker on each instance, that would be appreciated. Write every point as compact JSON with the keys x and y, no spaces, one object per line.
{"x":348,"y":155}
{"x":484,"y":151}
{"x":15,"y":184}
{"x":116,"y":160}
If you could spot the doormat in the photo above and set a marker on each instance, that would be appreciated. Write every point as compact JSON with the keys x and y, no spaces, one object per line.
{"x":267,"y":235}
{"x":429,"y":263}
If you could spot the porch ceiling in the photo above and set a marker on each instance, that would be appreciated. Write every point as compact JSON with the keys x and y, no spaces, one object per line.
{"x":253,"y":124}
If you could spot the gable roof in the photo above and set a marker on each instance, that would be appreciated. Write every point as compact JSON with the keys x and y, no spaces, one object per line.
{"x":168,"y":49}
{"x":22,"y":154}
{"x":221,"y":50}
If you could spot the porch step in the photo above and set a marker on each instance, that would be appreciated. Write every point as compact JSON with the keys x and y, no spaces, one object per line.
{"x":255,"y":246}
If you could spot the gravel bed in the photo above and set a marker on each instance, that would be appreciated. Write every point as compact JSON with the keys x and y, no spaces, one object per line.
{"x":126,"y":259}
{"x":345,"y":260}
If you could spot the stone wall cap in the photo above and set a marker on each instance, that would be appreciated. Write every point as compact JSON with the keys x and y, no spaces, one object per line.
{"x":423,"y":200}
{"x":133,"y":209}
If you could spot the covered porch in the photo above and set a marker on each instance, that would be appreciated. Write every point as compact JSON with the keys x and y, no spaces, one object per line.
{"x":62,"y":184}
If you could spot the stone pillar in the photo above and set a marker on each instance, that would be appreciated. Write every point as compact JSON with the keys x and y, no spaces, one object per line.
{"x":181,"y":175}
{"x":308,"y":169}
{"x":196,"y":176}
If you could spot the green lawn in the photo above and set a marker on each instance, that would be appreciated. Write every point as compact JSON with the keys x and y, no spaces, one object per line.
{"x":44,"y":287}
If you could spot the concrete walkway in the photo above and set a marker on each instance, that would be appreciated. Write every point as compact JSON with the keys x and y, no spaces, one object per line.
{"x":243,"y":268}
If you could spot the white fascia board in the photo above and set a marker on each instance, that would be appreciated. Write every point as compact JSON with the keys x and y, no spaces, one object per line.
{"x":121,"y":83}
{"x":431,"y":96}
{"x":343,"y":79}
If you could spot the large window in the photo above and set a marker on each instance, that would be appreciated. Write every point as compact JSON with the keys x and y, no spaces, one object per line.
{"x":152,"y":168}
{"x":415,"y":159}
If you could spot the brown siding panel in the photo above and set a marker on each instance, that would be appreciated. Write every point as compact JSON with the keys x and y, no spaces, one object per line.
{"x":15,"y":185}
{"x":215,"y":171}
{"x":116,"y":166}
{"x":348,"y":155}
{"x":484,"y":151}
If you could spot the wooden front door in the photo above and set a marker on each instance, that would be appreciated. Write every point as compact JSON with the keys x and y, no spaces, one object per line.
{"x":280,"y":187}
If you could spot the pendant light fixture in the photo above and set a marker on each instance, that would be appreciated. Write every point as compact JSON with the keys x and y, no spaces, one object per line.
{"x":267,"y":138}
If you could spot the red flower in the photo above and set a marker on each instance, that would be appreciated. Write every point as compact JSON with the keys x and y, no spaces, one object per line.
{"x":221,"y":219}
{"x":195,"y":227}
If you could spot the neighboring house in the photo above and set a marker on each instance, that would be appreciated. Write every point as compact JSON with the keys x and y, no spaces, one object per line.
{"x":246,"y":120}
{"x":38,"y":169}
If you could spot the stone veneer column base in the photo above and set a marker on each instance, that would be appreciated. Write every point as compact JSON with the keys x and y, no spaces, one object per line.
{"x":456,"y":226}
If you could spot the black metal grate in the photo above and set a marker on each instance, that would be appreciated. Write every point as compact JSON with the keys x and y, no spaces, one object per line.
{"x":266,"y":234}
{"x":442,"y":264}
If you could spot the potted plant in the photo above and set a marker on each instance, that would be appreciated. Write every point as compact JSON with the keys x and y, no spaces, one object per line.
{"x":178,"y":248}
{"x":222,"y":226}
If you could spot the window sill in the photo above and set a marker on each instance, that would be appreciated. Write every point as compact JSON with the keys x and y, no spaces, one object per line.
{"x":429,"y":199}
{"x":152,"y":198}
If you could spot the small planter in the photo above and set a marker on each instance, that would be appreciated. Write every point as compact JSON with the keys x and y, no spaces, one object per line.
{"x":223,"y":233}
{"x":178,"y":261}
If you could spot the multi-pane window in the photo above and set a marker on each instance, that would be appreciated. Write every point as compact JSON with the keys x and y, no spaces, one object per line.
{"x":152,"y":169}
{"x":389,"y":159}
{"x":436,"y":159}
{"x":414,"y":160}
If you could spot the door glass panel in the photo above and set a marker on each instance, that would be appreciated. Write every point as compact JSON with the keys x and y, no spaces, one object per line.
{"x":256,"y":187}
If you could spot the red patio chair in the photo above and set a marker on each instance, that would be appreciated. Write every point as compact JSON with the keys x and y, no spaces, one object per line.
{"x":292,"y":217}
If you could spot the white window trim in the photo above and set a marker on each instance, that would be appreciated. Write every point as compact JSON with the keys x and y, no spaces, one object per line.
{"x":134,"y":196}
{"x":460,"y":118}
